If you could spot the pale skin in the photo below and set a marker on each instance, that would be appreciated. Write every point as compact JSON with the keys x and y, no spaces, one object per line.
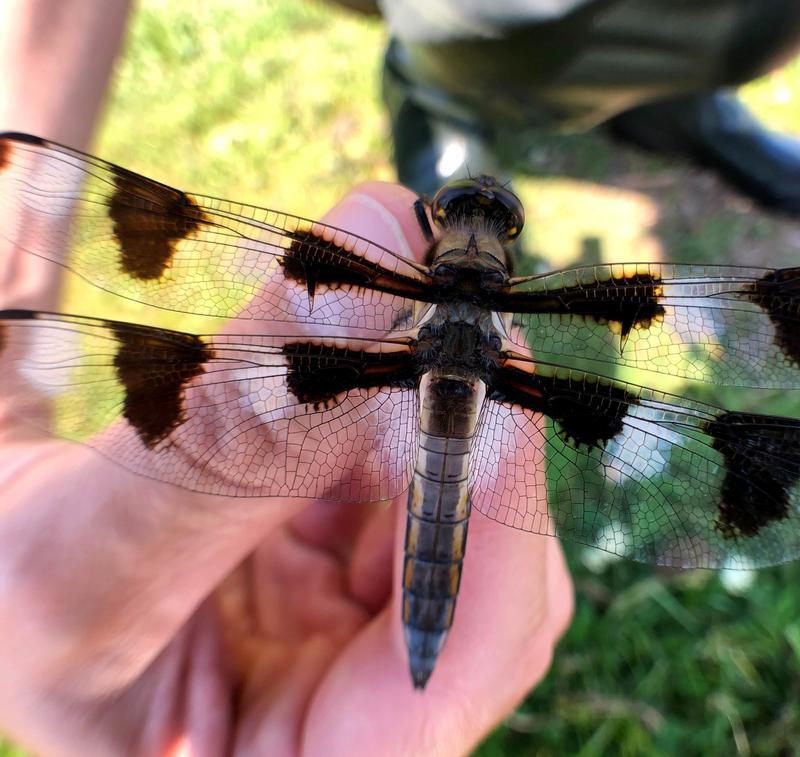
{"x":126,"y":626}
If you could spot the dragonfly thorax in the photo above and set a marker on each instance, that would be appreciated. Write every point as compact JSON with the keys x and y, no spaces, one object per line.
{"x":467,"y":262}
{"x":459,"y":336}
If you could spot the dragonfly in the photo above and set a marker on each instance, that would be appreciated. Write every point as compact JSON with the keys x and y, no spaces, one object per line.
{"x":347,"y":372}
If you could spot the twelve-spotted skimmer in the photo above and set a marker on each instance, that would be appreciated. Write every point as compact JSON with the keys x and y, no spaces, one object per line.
{"x":347,"y":372}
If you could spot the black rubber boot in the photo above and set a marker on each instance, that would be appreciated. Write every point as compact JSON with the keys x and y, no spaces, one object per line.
{"x":715,"y":130}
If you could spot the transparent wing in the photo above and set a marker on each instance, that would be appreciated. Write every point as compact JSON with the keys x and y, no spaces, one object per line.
{"x":153,"y":244}
{"x":233,"y":414}
{"x":639,"y":473}
{"x":717,"y":324}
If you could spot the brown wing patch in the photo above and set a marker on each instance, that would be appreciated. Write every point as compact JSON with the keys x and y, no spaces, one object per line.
{"x":149,"y":220}
{"x":628,"y":300}
{"x":5,"y":154}
{"x":154,"y":366}
{"x":762,"y":460}
{"x":586,"y":409}
{"x":318,"y":373}
{"x":313,"y":260}
{"x":778,"y":293}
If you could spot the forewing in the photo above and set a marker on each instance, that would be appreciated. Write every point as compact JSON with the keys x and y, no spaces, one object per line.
{"x":267,"y":414}
{"x":717,"y":324}
{"x":639,"y":473}
{"x":153,"y":244}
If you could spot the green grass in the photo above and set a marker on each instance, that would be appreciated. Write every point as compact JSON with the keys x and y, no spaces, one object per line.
{"x":9,"y":750}
{"x":277,"y":103}
{"x":664,"y":664}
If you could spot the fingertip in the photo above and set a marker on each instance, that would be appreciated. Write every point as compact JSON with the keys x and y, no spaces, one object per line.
{"x":382,"y":213}
{"x":560,"y":588}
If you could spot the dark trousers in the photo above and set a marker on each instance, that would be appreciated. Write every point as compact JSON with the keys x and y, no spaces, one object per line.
{"x":507,"y":63}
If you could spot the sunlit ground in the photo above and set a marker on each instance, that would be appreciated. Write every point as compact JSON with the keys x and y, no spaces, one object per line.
{"x":277,"y":104}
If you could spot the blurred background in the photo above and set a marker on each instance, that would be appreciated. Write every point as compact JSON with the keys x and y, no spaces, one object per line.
{"x":277,"y":103}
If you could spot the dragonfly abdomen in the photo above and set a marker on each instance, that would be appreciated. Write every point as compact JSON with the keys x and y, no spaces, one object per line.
{"x":438,"y":516}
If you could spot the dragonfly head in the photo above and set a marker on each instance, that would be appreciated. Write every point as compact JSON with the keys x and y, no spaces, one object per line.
{"x":482,"y":199}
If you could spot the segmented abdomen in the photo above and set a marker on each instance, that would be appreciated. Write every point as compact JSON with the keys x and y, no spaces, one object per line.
{"x":438,"y":516}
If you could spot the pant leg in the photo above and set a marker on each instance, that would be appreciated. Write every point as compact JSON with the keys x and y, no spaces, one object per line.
{"x":585,"y":64}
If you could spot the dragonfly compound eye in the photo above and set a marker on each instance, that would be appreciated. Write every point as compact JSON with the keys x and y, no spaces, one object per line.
{"x":483,"y":198}
{"x":445,"y":273}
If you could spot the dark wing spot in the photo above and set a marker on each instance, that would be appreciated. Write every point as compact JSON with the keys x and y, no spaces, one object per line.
{"x":318,"y":373}
{"x":149,"y":219}
{"x":587,"y":411}
{"x":312,"y":260}
{"x":631,"y":301}
{"x":154,"y":366}
{"x":762,"y":462}
{"x":778,"y":293}
{"x":5,"y":154}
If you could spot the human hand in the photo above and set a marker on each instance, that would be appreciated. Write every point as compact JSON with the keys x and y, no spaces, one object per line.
{"x":139,"y":618}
